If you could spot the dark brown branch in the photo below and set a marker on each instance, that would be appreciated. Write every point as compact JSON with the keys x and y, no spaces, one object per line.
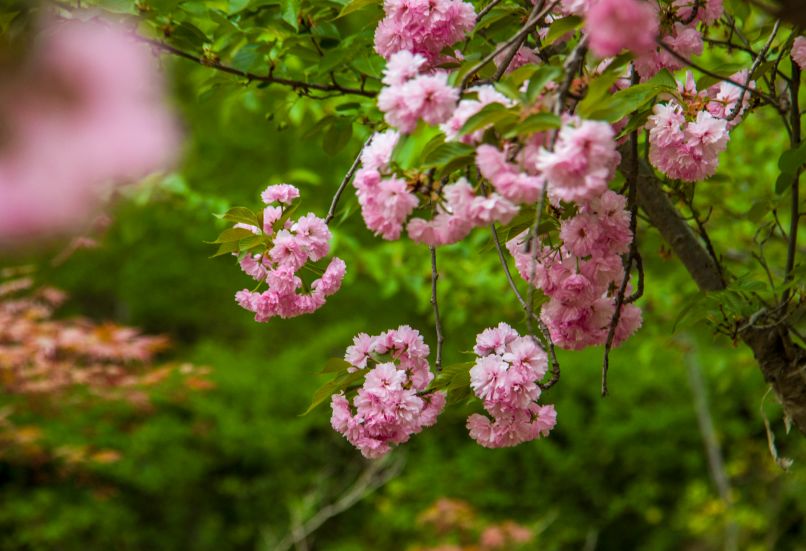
{"x":523,"y":31}
{"x":769,"y":99}
{"x":792,"y":246}
{"x":435,"y":305}
{"x":632,"y":206}
{"x":513,"y":50}
{"x":270,"y":79}
{"x":782,"y":362}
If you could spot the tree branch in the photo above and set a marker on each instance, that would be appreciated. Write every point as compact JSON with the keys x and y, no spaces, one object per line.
{"x":435,"y":304}
{"x":270,"y":79}
{"x":331,"y":212}
{"x":782,"y":362}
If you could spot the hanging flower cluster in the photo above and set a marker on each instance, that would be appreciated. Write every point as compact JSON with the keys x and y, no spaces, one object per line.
{"x":474,"y":148}
{"x":423,"y":27}
{"x":410,"y":96}
{"x":687,"y":134}
{"x":505,"y":376}
{"x":582,"y":276}
{"x":392,"y":404}
{"x":289,"y":245}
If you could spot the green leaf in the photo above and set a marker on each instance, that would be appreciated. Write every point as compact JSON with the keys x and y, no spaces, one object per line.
{"x":632,"y":99}
{"x":247,"y":58}
{"x":535,"y":123}
{"x":289,"y":12}
{"x":792,"y":160}
{"x":408,"y":152}
{"x":784,"y":182}
{"x":335,"y":365}
{"x":226,"y":248}
{"x":251,"y":242}
{"x":187,"y":35}
{"x":491,"y":114}
{"x":337,"y":136}
{"x":539,"y":79}
{"x":342,"y":382}
{"x":233,"y":234}
{"x":448,"y":152}
{"x":355,"y":5}
{"x":240,"y":214}
{"x":598,"y":91}
{"x":560,"y":27}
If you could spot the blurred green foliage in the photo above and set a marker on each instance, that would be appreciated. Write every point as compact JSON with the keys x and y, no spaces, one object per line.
{"x":236,"y":466}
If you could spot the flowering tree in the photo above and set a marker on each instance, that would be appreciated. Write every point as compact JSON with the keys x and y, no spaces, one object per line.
{"x":571,"y":127}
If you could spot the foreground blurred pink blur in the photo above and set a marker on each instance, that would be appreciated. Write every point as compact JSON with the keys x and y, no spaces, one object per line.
{"x":85,"y":111}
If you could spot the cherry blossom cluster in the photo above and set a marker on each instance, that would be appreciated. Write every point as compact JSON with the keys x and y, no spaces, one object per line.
{"x":687,"y":134}
{"x":679,"y":32}
{"x":505,"y":377}
{"x":293,"y":243}
{"x":583,"y":160}
{"x":423,"y":27}
{"x":392,"y":403}
{"x":645,"y":21}
{"x":581,"y":277}
{"x":387,"y":201}
{"x":460,"y":212}
{"x":410,"y":96}
{"x":607,"y":21}
{"x":74,"y":123}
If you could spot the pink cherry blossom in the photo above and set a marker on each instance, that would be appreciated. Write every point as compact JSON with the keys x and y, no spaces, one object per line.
{"x":583,"y":161}
{"x":505,"y":377}
{"x":282,"y":193}
{"x":423,"y":27}
{"x":616,"y":25}
{"x":391,"y":405}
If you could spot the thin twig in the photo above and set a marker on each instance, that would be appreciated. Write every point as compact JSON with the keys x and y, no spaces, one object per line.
{"x":524,"y":30}
{"x":372,"y":478}
{"x":632,"y":205}
{"x":759,"y":58}
{"x":710,"y":73}
{"x":271,"y":79}
{"x":549,"y":343}
{"x":486,"y":9}
{"x":513,"y":50}
{"x":331,"y":212}
{"x":435,"y":305}
{"x":713,"y":451}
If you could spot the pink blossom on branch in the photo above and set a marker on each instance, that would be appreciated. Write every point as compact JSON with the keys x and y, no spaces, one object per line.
{"x":583,"y":161}
{"x":616,"y":25}
{"x":423,"y":27}
{"x":392,"y":403}
{"x":410,"y":97}
{"x":288,"y":250}
{"x":505,"y":377}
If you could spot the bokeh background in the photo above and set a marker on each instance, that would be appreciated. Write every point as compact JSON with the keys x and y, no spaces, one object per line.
{"x":677,"y":457}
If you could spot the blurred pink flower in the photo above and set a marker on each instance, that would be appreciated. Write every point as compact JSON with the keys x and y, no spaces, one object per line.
{"x":85,"y":111}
